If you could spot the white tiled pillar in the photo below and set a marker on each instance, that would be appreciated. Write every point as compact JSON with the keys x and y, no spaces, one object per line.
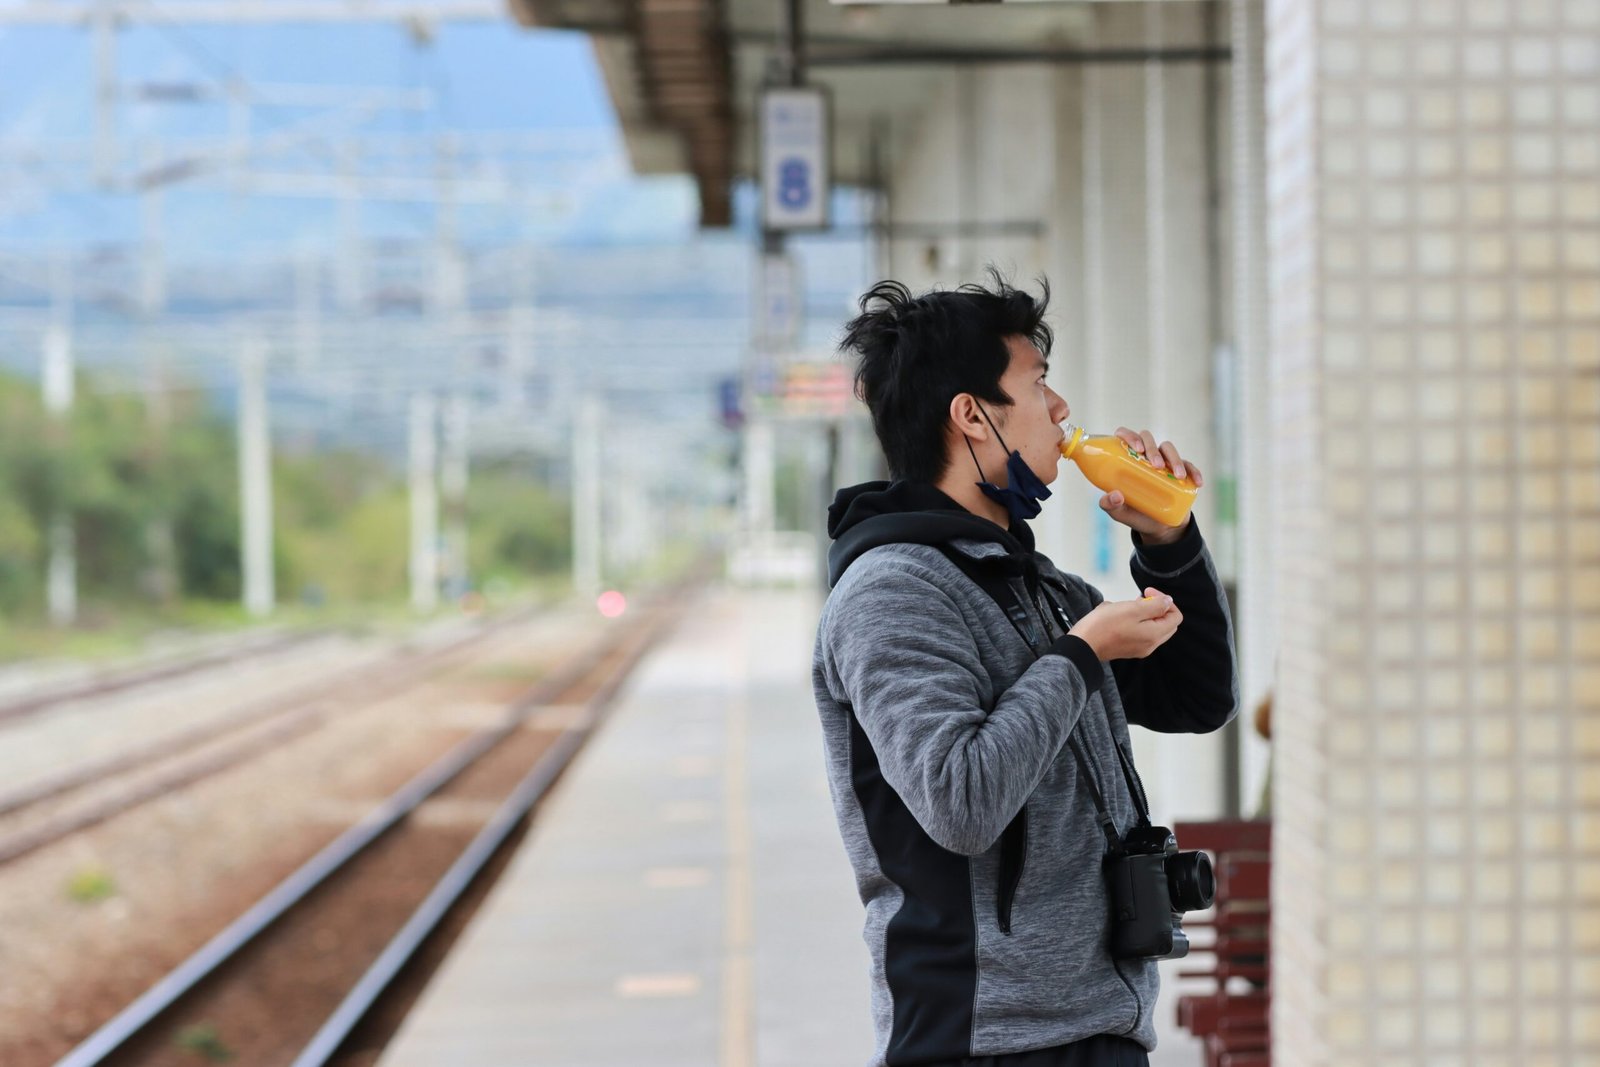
{"x":1434,"y":286}
{"x":1254,"y":620}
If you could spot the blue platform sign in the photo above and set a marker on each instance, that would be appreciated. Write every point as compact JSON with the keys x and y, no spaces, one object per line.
{"x":730,"y":402}
{"x":796,"y":176}
{"x":1102,"y":541}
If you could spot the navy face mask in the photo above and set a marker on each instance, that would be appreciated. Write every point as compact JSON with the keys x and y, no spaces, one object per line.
{"x":1023,"y":490}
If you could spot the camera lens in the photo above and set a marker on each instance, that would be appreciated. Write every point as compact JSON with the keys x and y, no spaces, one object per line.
{"x":1189,"y":881}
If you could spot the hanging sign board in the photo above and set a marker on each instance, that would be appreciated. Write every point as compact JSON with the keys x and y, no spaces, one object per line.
{"x":778,"y":303}
{"x":795,"y":168}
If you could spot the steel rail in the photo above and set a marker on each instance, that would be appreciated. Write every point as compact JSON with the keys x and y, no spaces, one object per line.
{"x":274,"y":719}
{"x":456,"y":881}
{"x":463,"y":873}
{"x":333,"y":858}
{"x":291,"y":891}
{"x":51,"y":830}
{"x":116,"y":681}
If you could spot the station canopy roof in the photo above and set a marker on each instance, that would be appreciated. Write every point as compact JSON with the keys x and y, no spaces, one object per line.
{"x":684,"y":75}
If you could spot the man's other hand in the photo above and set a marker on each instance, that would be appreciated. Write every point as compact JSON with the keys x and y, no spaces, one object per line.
{"x":1130,"y":629}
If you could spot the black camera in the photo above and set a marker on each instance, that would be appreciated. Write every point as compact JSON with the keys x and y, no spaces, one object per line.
{"x":1151,"y":885}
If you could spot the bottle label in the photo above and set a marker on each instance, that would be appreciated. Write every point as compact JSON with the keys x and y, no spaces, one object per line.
{"x":1146,"y":462}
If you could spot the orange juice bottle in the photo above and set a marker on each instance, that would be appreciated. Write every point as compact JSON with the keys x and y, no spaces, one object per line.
{"x":1108,"y":462}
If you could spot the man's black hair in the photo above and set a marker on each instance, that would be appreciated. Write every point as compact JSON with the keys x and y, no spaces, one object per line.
{"x":916,"y":353}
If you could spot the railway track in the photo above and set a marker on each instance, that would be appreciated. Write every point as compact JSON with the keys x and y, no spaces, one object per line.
{"x":317,"y":959}
{"x":122,"y":679}
{"x":48,"y":809}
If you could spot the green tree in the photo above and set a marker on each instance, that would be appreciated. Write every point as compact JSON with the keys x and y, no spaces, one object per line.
{"x":148,"y":498}
{"x":519,"y":530}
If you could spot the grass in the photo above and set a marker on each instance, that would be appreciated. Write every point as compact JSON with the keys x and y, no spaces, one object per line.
{"x":109,"y":632}
{"x":112,"y":631}
{"x":90,"y":885}
{"x":203,"y":1040}
{"x":104,"y":632}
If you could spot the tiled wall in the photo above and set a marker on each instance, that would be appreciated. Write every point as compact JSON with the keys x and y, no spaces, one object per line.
{"x":1434,"y":281}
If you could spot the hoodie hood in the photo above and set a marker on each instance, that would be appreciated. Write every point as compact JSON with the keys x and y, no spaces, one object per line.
{"x":865,"y":516}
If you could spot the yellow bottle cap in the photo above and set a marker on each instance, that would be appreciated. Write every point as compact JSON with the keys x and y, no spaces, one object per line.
{"x":1070,"y":445}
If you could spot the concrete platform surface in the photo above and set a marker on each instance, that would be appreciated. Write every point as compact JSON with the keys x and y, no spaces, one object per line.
{"x":683,"y":899}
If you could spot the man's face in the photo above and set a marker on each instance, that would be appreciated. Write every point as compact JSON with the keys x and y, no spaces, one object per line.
{"x":1032,"y":423}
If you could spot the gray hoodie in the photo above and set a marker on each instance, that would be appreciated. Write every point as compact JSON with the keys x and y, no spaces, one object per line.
{"x":976,"y":849}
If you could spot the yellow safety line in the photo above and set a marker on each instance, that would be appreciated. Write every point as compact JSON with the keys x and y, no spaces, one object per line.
{"x":738,"y":1031}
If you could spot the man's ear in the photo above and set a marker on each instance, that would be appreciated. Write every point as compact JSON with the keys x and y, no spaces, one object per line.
{"x":966,"y":419}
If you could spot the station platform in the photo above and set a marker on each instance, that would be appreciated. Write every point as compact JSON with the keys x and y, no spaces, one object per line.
{"x":683,"y":899}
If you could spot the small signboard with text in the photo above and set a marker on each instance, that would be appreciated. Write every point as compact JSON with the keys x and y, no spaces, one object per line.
{"x":817,"y":389}
{"x":778,"y":303}
{"x":805,"y":388}
{"x":796,"y":178}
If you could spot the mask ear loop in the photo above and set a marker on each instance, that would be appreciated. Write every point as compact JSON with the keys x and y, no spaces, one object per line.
{"x":993,"y":427}
{"x":982,"y":478}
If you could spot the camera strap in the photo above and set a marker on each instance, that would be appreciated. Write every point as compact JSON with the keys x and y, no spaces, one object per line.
{"x":1000,"y":590}
{"x":1107,"y":826}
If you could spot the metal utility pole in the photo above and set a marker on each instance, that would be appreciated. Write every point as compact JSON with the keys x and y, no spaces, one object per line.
{"x":794,"y":42}
{"x":104,"y":22}
{"x":238,"y":133}
{"x":453,"y":481}
{"x":153,"y":293}
{"x":161,"y":577}
{"x":586,"y":502}
{"x":518,"y":357}
{"x":448,"y":305}
{"x":450,"y":276}
{"x":351,"y":265}
{"x":424,"y":504}
{"x":307,"y":310}
{"x":255,"y":482}
{"x":61,"y":575}
{"x":760,"y":474}
{"x":152,"y":258}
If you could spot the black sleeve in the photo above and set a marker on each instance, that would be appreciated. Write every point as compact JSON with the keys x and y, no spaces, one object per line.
{"x":1082,"y":656}
{"x":1188,"y":685}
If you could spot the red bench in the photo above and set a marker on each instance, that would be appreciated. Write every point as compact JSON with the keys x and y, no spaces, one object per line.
{"x":1233,"y":1016}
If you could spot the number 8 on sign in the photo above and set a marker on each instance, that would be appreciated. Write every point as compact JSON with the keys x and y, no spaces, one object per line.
{"x":794,"y":183}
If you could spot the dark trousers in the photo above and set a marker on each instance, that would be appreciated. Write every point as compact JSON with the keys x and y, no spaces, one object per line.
{"x":1102,"y":1050}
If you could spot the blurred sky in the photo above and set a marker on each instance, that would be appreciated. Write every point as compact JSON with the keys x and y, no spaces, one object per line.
{"x":614,"y":248}
{"x":485,"y":76}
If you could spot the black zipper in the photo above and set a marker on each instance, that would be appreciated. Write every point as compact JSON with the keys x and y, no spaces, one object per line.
{"x":1013,"y":861}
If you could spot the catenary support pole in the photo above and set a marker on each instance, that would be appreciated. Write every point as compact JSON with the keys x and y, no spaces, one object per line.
{"x":61,"y":575}
{"x":424,"y":503}
{"x":453,"y":475}
{"x":255,"y":482}
{"x":586,"y":502}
